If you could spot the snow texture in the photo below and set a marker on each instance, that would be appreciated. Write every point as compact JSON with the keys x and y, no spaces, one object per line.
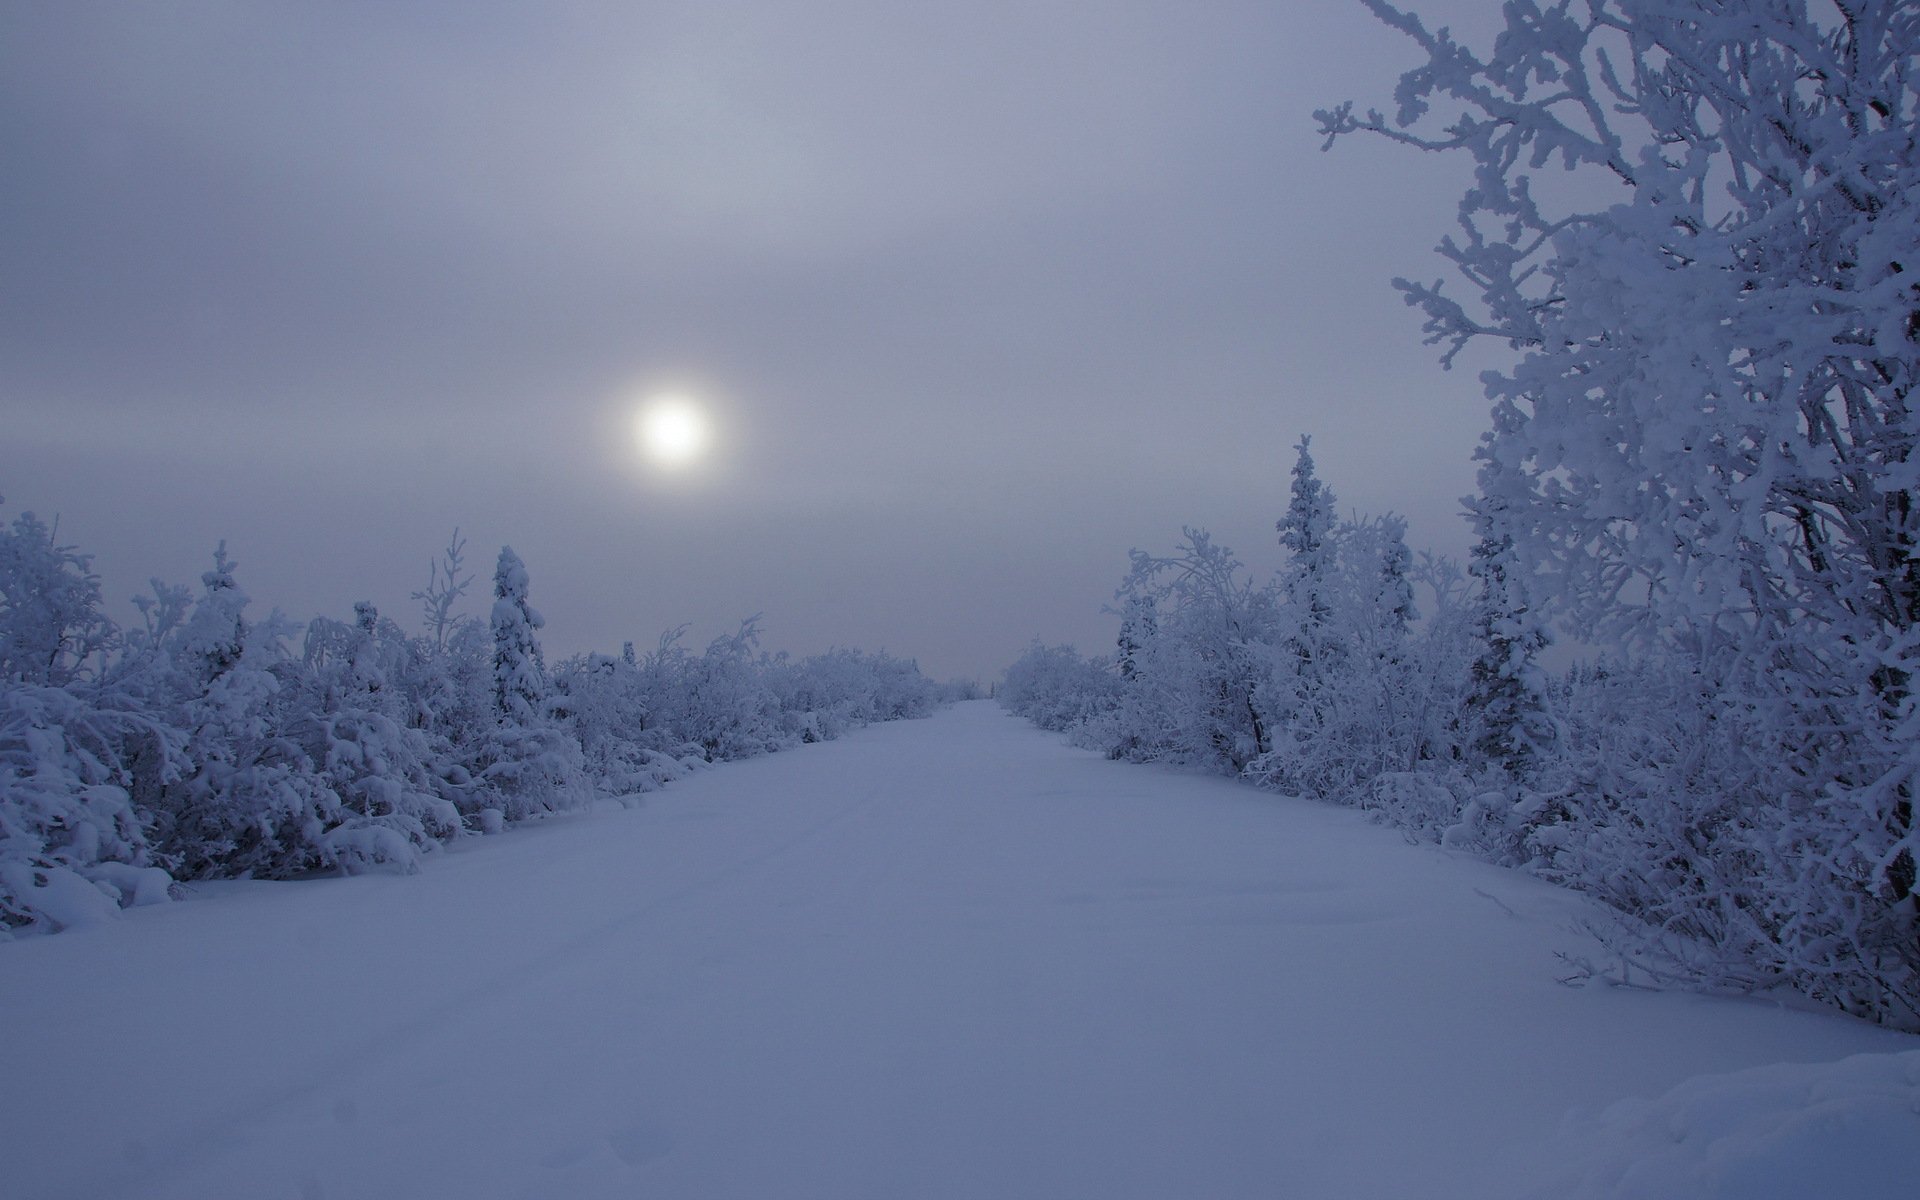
{"x":940,"y":958}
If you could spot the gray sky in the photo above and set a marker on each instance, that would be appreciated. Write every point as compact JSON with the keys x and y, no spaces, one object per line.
{"x":981,"y":295}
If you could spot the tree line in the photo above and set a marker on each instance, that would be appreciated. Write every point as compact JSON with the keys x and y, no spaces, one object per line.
{"x":1694,"y":225}
{"x":203,"y":743}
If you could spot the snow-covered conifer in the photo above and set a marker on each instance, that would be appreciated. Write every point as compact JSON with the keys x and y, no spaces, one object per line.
{"x":1304,"y":531}
{"x":519,"y":672}
{"x":1139,"y":625}
{"x":529,"y":761}
{"x":1507,"y":711}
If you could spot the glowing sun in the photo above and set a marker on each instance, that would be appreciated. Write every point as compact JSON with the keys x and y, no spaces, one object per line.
{"x":673,"y":431}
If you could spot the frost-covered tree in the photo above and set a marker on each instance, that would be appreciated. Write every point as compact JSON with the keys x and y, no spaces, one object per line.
{"x":197,"y":745}
{"x":1507,"y":710}
{"x":77,"y":757}
{"x":1139,"y":626}
{"x":249,"y":800}
{"x":826,"y":695}
{"x":1342,"y":697}
{"x":605,"y":705}
{"x":73,"y":844}
{"x":363,"y":735}
{"x":526,"y":758}
{"x":1709,"y":433}
{"x":1304,"y":532}
{"x":725,"y":706}
{"x":1194,"y":693}
{"x":1055,"y":688}
{"x":519,"y":670}
{"x":447,"y":582}
{"x":52,"y":628}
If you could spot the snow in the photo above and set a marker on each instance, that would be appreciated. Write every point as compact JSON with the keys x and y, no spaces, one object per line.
{"x":938,"y":958}
{"x":1850,"y":1128}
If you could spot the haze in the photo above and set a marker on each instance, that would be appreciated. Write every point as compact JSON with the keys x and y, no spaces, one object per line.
{"x":977,"y":297}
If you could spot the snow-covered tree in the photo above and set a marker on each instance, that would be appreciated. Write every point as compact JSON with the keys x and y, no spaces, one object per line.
{"x":362,"y":733}
{"x":249,"y":800}
{"x":725,"y":706}
{"x":605,"y":706}
{"x":519,"y":670}
{"x":1056,"y":688}
{"x":197,"y":745}
{"x":52,"y":628}
{"x":73,"y":844}
{"x":1507,"y":711}
{"x":1139,"y":626}
{"x":529,"y":761}
{"x":74,"y":753}
{"x":1304,"y":532}
{"x":1709,"y":433}
{"x":1341,"y":696}
{"x":1193,"y":696}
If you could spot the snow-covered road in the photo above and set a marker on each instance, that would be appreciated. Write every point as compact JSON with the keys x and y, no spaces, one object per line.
{"x":941,"y":958}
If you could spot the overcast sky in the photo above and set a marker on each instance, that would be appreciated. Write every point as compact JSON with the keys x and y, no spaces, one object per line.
{"x":980,"y":294}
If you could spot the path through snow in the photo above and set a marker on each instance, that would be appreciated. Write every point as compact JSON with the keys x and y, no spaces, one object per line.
{"x":941,"y":958}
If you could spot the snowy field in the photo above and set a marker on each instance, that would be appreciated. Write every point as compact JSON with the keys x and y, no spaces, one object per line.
{"x":940,"y":958}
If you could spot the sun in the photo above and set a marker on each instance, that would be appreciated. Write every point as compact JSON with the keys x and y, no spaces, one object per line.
{"x":673,"y":431}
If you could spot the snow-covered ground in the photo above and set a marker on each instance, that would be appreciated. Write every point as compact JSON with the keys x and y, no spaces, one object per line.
{"x":941,"y":958}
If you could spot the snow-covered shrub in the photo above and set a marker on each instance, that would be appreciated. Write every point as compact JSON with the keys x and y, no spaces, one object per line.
{"x":1055,"y":688}
{"x":717,"y":704}
{"x":196,"y":745}
{"x":248,"y":799}
{"x":604,"y":703}
{"x":73,"y":845}
{"x":826,"y":695}
{"x":361,"y":732}
{"x":1195,"y":670}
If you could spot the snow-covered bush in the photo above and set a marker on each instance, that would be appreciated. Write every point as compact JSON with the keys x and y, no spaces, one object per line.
{"x":605,"y":704}
{"x":74,"y":753}
{"x":198,"y":745}
{"x":1705,"y":450}
{"x":363,"y":735}
{"x":1055,"y":688}
{"x":827,"y":695}
{"x":248,"y":799}
{"x":73,"y":844}
{"x":1194,"y":672}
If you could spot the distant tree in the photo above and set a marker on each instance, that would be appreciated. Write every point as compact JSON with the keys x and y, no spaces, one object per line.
{"x":1139,"y":625}
{"x":1056,"y":688}
{"x":447,"y":582}
{"x":1303,"y":532}
{"x":1342,"y":698}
